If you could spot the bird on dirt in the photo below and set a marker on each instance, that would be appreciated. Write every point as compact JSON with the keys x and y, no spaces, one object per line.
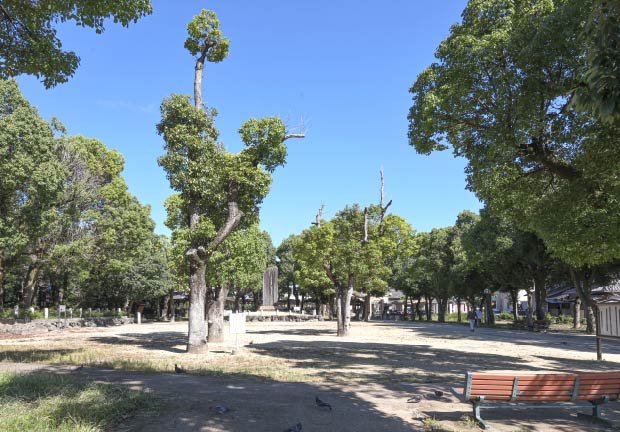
{"x":220,"y":409}
{"x":322,"y":404}
{"x":296,"y":428}
{"x":79,"y":368}
{"x":437,"y":394}
{"x":414,"y":399}
{"x":178,"y":369}
{"x":251,"y":342}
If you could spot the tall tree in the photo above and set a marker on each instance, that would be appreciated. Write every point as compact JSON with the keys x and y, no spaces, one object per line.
{"x":217,"y":189}
{"x":287,"y":266}
{"x":30,"y":182}
{"x":28,"y":41}
{"x":499,"y":95}
{"x":237,"y":265}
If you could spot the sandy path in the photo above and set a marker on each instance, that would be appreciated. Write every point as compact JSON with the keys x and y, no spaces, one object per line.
{"x":368,"y":376}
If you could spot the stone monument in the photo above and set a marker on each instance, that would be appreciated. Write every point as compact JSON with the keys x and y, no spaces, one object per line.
{"x":270,"y":289}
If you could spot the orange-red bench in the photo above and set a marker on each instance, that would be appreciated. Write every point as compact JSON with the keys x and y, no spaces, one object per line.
{"x":521,"y":390}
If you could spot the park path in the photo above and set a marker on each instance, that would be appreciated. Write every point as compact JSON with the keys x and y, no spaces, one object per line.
{"x":379,"y":355}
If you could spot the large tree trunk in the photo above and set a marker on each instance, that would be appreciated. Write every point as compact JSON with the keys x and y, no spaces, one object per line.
{"x":489,"y":309}
{"x":514,"y":296}
{"x":429,"y":308}
{"x":2,"y":273}
{"x":339,"y":312}
{"x":216,"y":315}
{"x":528,"y":317}
{"x":540,"y":293}
{"x":458,"y":309}
{"x":238,"y":296}
{"x":197,"y":342}
{"x":198,"y":71}
{"x":405,"y":314}
{"x":345,"y":307}
{"x":367,"y":308}
{"x":418,"y":309}
{"x":442,"y":305}
{"x":577,"y":314}
{"x":164,"y":311}
{"x":584,"y":291}
{"x":30,"y":282}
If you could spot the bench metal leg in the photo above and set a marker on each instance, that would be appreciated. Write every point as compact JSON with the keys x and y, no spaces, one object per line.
{"x":476,"y":406}
{"x":596,"y":412}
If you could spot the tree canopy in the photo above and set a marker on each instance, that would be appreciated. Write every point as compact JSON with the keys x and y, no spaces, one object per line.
{"x":28,"y":37}
{"x":500,"y":94}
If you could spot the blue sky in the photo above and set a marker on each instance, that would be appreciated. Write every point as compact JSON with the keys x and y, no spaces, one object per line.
{"x":342,"y":67}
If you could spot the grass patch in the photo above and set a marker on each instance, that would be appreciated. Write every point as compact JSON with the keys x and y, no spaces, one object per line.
{"x":40,"y":402}
{"x":113,"y":357}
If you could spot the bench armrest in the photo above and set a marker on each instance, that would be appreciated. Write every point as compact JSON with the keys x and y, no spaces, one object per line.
{"x":459,"y":392}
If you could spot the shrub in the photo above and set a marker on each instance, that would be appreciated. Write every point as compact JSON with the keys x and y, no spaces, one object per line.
{"x":506,"y":316}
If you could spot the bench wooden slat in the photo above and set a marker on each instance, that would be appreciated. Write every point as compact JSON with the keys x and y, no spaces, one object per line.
{"x":550,"y":387}
{"x":540,"y":390}
{"x":524,"y":377}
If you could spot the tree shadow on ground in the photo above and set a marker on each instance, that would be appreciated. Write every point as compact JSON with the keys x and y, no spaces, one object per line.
{"x":378,"y":362}
{"x":569,"y":342}
{"x":187,"y":403}
{"x":295,"y":332}
{"x":159,"y":341}
{"x":400,"y":371}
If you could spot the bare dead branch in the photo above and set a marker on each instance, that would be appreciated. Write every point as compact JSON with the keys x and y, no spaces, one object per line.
{"x":319,"y":216}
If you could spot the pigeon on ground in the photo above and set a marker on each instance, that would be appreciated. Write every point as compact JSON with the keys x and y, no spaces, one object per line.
{"x":178,"y":369}
{"x":220,"y":409}
{"x":296,"y":428}
{"x":414,"y":399}
{"x":79,"y":368}
{"x":437,"y":394}
{"x":251,"y":342}
{"x":322,"y":404}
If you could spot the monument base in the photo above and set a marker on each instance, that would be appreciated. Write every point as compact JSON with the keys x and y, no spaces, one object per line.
{"x":267,"y":308}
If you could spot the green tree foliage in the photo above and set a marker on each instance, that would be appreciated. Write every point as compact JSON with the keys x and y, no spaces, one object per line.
{"x":28,"y":40}
{"x":353,"y":250}
{"x":499,"y":95}
{"x":30,"y":181}
{"x":69,"y":229}
{"x":218,"y":191}
{"x":599,"y":90}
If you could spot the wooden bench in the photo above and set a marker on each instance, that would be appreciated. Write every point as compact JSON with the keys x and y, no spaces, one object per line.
{"x":520,"y":390}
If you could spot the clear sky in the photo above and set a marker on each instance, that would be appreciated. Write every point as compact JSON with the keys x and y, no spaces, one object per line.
{"x":342,"y":67}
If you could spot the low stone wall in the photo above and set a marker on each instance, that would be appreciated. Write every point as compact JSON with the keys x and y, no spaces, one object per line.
{"x":20,"y":326}
{"x":282,"y":317}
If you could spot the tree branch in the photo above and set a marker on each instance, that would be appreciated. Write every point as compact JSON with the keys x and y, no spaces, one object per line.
{"x":234,"y":216}
{"x":293,"y":135}
{"x":319,"y":216}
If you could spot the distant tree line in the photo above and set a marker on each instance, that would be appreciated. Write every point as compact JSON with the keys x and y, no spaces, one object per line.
{"x":70,"y":231}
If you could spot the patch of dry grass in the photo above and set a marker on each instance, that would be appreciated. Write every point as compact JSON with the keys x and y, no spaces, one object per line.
{"x":77,"y":352}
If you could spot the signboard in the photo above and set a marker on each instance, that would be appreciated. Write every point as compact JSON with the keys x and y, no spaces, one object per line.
{"x":62,"y":308}
{"x":609,"y":315}
{"x":237,"y":323}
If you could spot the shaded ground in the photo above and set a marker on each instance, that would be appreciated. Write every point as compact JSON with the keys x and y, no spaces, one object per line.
{"x":271,"y":384}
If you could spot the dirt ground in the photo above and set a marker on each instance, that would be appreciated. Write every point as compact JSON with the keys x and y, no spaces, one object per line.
{"x":271,"y":383}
